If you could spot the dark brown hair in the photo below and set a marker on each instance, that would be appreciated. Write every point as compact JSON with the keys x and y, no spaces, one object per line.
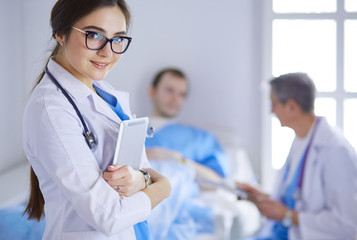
{"x":174,"y":71}
{"x":65,"y":14}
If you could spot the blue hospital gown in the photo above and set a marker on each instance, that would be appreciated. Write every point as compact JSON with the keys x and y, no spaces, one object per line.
{"x":180,"y":216}
{"x":193,"y":143}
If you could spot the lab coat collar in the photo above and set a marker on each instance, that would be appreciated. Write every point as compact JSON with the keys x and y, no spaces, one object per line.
{"x":321,"y":134}
{"x":73,"y":86}
{"x":122,"y":97}
{"x":320,"y":140}
{"x":80,"y":92}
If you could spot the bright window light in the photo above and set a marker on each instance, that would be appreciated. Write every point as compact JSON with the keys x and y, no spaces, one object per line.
{"x":306,"y":46}
{"x":282,"y":138}
{"x":351,"y":5}
{"x":326,"y":107}
{"x":304,"y":6}
{"x":304,"y":39}
{"x":351,"y":55}
{"x":350,"y":120}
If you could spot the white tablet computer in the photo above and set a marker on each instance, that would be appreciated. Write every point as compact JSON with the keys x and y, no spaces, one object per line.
{"x":130,"y":143}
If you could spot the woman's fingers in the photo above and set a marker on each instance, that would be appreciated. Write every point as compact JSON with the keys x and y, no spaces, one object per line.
{"x":124,"y":179}
{"x":115,"y":173}
{"x":112,"y":168}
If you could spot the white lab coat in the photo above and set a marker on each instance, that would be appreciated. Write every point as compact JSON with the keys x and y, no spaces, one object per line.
{"x":79,"y":204}
{"x":328,"y":206}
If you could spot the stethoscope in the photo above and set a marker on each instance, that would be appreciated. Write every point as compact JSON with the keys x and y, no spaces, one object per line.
{"x":297,"y":194}
{"x":90,"y":137}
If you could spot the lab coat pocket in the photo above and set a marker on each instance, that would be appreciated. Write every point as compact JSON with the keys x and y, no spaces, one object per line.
{"x":93,"y":235}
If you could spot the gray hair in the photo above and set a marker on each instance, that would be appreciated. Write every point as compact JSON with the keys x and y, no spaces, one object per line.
{"x":296,"y":86}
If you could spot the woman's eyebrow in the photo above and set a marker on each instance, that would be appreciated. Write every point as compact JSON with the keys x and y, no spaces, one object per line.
{"x":102,"y":30}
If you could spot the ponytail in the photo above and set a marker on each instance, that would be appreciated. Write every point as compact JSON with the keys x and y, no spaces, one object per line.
{"x":54,"y":53}
{"x":36,"y":201}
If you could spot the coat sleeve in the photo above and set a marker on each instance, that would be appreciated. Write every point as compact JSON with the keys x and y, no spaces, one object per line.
{"x":339,"y":217}
{"x":53,"y":139}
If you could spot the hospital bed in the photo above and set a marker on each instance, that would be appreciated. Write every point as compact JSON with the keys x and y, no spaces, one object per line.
{"x":232,"y":219}
{"x":14,"y":187}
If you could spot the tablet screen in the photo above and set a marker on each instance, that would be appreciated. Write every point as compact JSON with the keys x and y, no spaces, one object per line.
{"x":130,"y":143}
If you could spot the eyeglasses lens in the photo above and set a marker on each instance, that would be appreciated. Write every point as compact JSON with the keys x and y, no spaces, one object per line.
{"x":96,"y":41}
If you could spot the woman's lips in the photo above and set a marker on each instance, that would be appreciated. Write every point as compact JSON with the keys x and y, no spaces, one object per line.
{"x":100,"y":65}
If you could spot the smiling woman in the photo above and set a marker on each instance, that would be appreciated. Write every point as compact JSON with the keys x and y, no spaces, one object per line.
{"x":91,"y":65}
{"x":72,"y":181}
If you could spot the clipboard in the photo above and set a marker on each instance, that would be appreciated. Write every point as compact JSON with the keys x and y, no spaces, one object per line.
{"x":130,"y":143}
{"x":226,"y":185}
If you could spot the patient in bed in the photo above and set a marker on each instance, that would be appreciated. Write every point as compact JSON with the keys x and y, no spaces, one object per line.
{"x":184,"y":154}
{"x":175,"y":141}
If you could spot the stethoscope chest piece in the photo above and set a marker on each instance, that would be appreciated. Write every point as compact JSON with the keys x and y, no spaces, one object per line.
{"x":91,"y":139}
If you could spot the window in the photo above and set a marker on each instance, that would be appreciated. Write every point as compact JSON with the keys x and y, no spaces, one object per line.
{"x":351,"y":5}
{"x":317,"y":37}
{"x":350,"y":83}
{"x":304,"y":6}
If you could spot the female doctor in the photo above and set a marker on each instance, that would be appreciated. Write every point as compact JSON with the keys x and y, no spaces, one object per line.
{"x":316,"y":192}
{"x":70,"y":127}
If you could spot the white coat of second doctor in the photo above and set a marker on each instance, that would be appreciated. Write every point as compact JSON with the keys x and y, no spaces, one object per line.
{"x":79,"y":204}
{"x":328,"y":205}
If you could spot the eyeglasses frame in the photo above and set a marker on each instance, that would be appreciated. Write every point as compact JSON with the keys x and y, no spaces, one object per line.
{"x":106,"y":41}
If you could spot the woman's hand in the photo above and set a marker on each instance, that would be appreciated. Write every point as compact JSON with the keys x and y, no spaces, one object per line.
{"x":124,"y":179}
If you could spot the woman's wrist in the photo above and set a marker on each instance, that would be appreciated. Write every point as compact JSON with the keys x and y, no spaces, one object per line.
{"x":147,"y":178}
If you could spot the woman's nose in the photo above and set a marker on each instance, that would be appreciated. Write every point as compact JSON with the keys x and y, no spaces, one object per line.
{"x":106,"y":51}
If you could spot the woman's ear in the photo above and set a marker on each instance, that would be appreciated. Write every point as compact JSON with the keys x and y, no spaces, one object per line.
{"x":60,"y":38}
{"x":151,"y":92}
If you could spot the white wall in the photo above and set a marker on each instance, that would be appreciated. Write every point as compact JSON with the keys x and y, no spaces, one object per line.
{"x":11,"y":96}
{"x":217,"y":44}
{"x":37,"y":48}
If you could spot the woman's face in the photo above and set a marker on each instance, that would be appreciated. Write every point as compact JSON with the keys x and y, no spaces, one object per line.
{"x":86,"y":64}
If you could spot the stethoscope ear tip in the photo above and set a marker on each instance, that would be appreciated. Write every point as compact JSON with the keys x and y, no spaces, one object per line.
{"x":151,"y":132}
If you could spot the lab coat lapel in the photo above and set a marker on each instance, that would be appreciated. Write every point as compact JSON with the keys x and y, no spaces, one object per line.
{"x":122,"y":97}
{"x":312,"y":159}
{"x":104,"y":109}
{"x":80,"y":92}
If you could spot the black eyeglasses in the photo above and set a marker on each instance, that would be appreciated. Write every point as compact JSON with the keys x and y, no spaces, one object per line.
{"x":97,"y":41}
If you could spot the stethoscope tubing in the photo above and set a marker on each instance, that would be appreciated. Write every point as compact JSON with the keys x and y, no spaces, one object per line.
{"x":89,"y":136}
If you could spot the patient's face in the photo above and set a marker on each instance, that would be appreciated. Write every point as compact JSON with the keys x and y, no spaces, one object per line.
{"x":169,"y":95}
